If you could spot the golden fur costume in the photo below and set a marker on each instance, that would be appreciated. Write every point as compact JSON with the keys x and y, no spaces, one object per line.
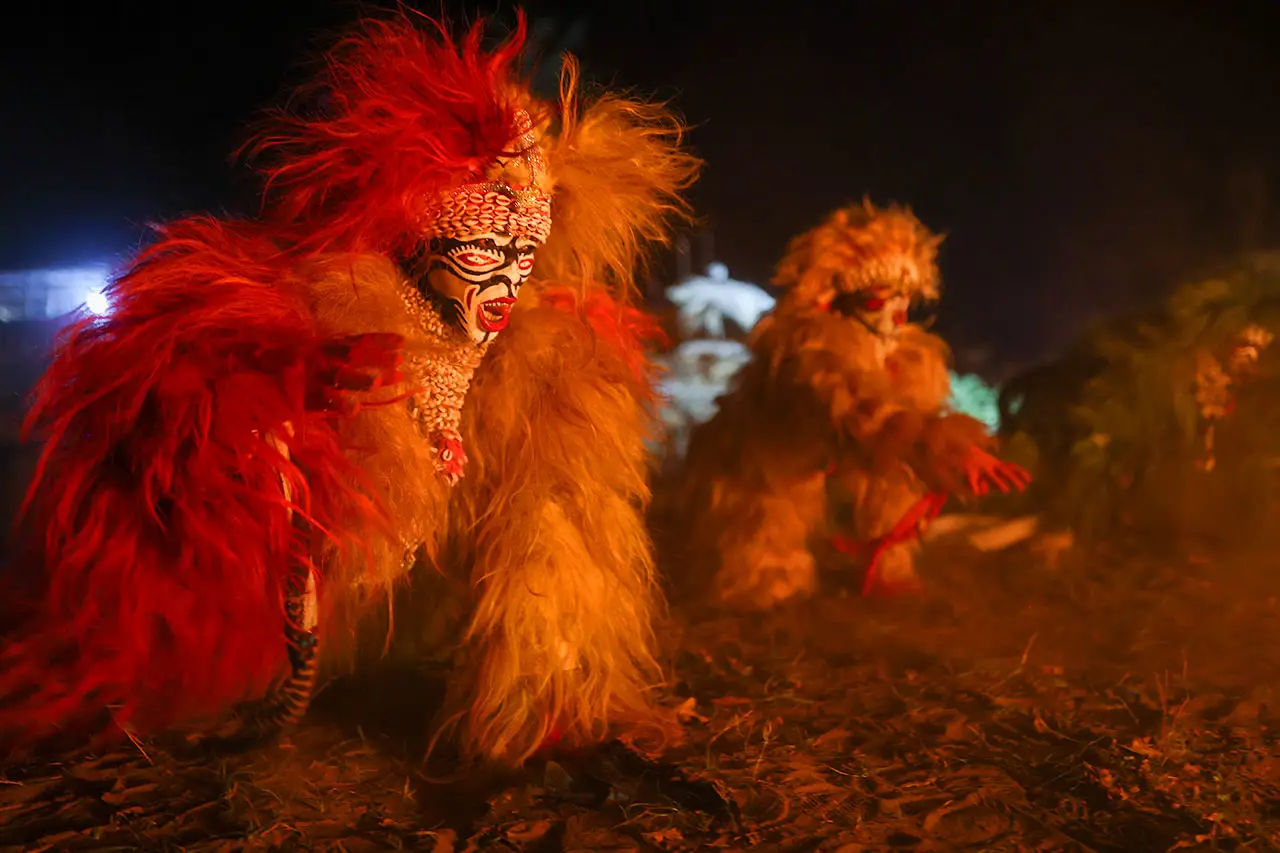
{"x":842,"y":394}
{"x":282,"y":421}
{"x":546,"y":528}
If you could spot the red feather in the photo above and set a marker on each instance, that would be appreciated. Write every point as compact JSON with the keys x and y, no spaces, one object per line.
{"x":156,"y":513}
{"x":404,"y":115}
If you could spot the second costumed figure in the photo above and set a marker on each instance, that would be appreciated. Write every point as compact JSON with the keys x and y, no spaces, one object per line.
{"x":842,"y":395}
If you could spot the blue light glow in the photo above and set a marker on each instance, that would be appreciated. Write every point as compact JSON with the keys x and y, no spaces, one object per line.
{"x":58,"y":292}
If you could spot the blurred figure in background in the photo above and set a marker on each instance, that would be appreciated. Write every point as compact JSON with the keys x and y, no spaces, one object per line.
{"x":843,"y":396}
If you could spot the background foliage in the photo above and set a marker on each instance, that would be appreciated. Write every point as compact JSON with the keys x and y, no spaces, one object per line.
{"x":1112,"y":430}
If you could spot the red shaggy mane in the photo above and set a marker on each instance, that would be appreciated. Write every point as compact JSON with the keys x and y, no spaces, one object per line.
{"x":156,"y":521}
{"x":403,"y":112}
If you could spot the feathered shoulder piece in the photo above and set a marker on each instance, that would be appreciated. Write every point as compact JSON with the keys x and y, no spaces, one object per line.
{"x":397,"y":131}
{"x":619,"y":169}
{"x":158,"y":523}
{"x":860,"y":246}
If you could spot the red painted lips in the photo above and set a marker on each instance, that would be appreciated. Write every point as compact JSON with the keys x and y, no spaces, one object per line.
{"x":495,"y":314}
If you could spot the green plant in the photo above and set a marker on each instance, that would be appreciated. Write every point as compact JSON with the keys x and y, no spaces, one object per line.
{"x":1113,"y":430}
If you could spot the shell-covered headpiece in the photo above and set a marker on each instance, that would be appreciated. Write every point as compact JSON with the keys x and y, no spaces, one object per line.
{"x":859,"y":247}
{"x":515,"y":204}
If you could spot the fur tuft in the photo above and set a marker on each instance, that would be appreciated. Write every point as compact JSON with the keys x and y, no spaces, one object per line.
{"x":157,"y":514}
{"x":396,"y":115}
{"x":619,"y":171}
{"x":628,"y":330}
{"x":561,"y":634}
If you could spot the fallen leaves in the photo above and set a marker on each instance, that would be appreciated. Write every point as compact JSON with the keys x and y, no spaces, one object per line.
{"x":852,"y":726}
{"x":687,"y":712}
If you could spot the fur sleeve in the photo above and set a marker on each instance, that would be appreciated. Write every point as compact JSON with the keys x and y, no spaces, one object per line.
{"x":156,"y":522}
{"x":557,"y":420}
{"x":891,"y":416}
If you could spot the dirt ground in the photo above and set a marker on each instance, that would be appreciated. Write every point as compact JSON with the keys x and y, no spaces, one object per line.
{"x":1115,"y":703}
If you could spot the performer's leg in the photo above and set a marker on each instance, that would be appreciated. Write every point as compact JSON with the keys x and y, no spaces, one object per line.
{"x":560,"y":641}
{"x":879,"y":503}
{"x":763,"y":542}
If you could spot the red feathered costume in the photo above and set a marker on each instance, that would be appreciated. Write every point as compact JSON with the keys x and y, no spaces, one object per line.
{"x":268,"y":431}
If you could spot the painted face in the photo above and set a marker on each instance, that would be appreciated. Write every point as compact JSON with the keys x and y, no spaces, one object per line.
{"x":477,"y":279}
{"x":882,"y":309}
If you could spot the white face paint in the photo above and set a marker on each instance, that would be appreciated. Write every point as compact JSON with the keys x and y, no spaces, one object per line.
{"x":480,"y":276}
{"x":881,"y":309}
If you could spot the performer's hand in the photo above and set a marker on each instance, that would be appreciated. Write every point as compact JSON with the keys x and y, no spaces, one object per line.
{"x":347,"y":365}
{"x":946,"y":447}
{"x":956,"y":460}
{"x":982,"y":471}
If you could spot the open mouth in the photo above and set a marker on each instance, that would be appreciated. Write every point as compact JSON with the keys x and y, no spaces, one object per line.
{"x":494,"y":314}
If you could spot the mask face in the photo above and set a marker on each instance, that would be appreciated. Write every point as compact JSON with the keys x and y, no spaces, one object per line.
{"x":882,"y":309}
{"x":477,"y":279}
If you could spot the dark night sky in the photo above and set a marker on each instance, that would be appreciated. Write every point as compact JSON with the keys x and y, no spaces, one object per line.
{"x":1081,"y":156}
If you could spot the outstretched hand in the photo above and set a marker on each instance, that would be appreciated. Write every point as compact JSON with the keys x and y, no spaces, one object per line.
{"x":982,"y":471}
{"x":353,"y":364}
